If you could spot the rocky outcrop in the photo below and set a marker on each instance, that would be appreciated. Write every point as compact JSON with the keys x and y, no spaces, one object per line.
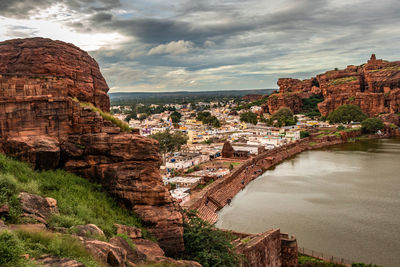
{"x":373,"y":86}
{"x":39,"y":56}
{"x":50,"y":261}
{"x":106,"y":252}
{"x":88,"y":230}
{"x":37,"y":207}
{"x":227,"y":150}
{"x":43,"y":123}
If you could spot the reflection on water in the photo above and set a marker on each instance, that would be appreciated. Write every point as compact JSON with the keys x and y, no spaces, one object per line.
{"x":343,"y":201}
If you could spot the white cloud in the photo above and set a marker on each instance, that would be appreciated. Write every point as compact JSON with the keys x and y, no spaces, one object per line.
{"x":174,"y":47}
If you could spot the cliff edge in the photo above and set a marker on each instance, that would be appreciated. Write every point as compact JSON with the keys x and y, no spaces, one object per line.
{"x":43,"y":122}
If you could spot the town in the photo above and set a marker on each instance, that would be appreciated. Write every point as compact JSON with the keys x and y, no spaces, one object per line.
{"x":208,"y":140}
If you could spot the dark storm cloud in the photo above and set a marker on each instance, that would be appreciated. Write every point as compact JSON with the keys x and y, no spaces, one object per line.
{"x":21,"y":8}
{"x":231,"y":43}
{"x":26,"y":8}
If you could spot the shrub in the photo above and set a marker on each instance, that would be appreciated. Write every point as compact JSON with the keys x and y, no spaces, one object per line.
{"x":304,"y":134}
{"x":208,"y":245}
{"x":10,"y":249}
{"x":372,"y":125}
{"x":341,"y":128}
{"x":310,"y":105}
{"x":347,"y":114}
{"x":283,"y":117}
{"x":249,"y":117}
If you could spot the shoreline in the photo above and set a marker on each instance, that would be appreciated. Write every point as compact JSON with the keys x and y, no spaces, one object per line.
{"x":218,"y":194}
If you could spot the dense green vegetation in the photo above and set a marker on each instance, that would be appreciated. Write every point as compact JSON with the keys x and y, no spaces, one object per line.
{"x":37,"y":243}
{"x":343,"y":80}
{"x":283,"y":117}
{"x":107,"y":116}
{"x":141,"y":112}
{"x":249,"y":117}
{"x":182,"y":97}
{"x":78,"y":200}
{"x":347,"y":114}
{"x":304,"y":134}
{"x":310,"y":106}
{"x":169,"y":142}
{"x":206,"y":118}
{"x":176,"y":117}
{"x":259,"y":102}
{"x":208,"y":245}
{"x":372,"y":125}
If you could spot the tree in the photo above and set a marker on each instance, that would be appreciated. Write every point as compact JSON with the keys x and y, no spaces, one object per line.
{"x":249,"y":117}
{"x":208,"y":245}
{"x":304,"y":134}
{"x":176,"y":117}
{"x":372,"y":125}
{"x":283,"y":117}
{"x":169,"y":142}
{"x":202,"y":115}
{"x":347,"y":114}
{"x":206,"y":118}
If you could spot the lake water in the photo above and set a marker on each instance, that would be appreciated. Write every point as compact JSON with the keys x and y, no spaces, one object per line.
{"x":344,"y":201}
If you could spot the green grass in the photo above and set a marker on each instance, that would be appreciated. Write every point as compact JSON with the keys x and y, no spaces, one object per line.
{"x":201,"y":186}
{"x":343,"y":80}
{"x":394,"y":68}
{"x":37,"y":243}
{"x":347,"y":130}
{"x":233,"y":163}
{"x":78,"y":200}
{"x":107,"y":116}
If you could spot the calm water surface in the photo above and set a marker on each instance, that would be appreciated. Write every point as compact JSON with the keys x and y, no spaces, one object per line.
{"x":344,"y":201}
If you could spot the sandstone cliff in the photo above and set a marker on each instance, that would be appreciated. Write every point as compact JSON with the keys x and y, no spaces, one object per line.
{"x":41,"y":123}
{"x":374,"y":86}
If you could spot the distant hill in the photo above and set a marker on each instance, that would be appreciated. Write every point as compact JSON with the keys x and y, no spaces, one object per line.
{"x":182,"y":96}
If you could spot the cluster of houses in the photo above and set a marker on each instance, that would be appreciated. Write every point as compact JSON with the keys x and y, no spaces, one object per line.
{"x":205,"y":143}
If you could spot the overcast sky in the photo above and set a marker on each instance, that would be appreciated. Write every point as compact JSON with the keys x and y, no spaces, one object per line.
{"x":161,"y":45}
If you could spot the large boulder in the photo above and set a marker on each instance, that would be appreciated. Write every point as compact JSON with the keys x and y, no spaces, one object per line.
{"x":41,"y":56}
{"x":43,"y":152}
{"x":106,"y":252}
{"x":37,"y":207}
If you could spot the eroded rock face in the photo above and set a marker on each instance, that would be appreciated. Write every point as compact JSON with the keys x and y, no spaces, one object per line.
{"x":42,"y":124}
{"x":40,"y":56}
{"x":373,"y":86}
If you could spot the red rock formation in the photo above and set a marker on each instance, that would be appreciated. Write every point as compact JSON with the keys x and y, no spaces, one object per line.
{"x":41,"y":123}
{"x":227,"y":150}
{"x":40,"y":56}
{"x":373,"y":86}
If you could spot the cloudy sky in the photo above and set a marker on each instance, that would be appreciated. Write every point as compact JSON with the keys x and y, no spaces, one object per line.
{"x":161,"y":45}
